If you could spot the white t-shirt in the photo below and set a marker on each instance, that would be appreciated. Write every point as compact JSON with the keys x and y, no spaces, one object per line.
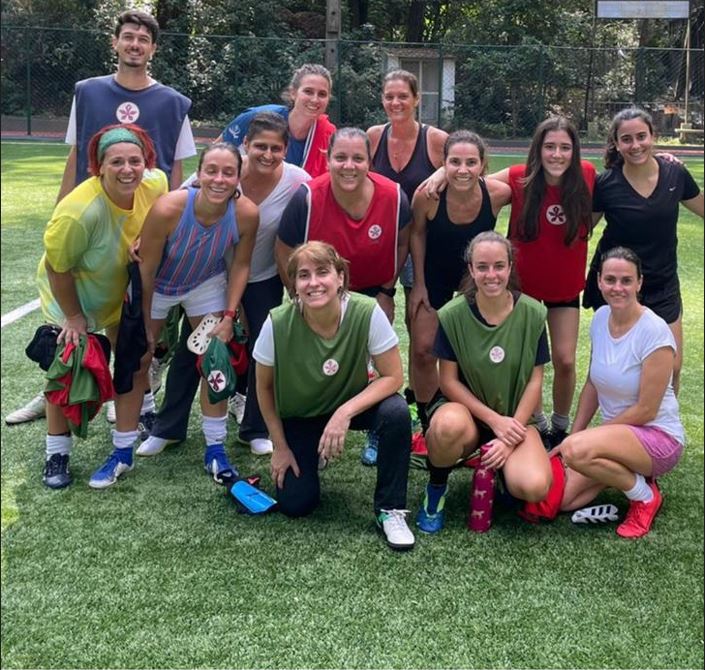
{"x":615,"y":368}
{"x":263,"y":266}
{"x":381,"y":337}
{"x":185,"y":145}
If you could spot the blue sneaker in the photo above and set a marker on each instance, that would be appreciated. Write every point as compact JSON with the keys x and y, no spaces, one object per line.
{"x":218,"y":466}
{"x":119,"y":462}
{"x":369,"y":453}
{"x":431,"y":516}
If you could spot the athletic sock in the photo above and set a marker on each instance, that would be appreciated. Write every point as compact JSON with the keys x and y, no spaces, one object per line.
{"x":541,"y":422}
{"x":423,"y":417}
{"x":124,"y":441}
{"x":214,"y":429}
{"x":438,"y":476}
{"x":560,"y":422}
{"x":434,"y":493}
{"x":58,"y":444}
{"x":641,"y":491}
{"x":148,"y":404}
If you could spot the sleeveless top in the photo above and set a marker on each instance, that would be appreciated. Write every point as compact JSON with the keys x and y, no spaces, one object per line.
{"x":446,"y":241}
{"x":369,"y":243}
{"x":193,"y":252}
{"x":324,"y":373}
{"x":496,"y":361}
{"x":414,"y":172}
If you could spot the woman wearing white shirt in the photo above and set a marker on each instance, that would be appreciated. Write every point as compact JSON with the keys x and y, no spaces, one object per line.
{"x":630,"y":380}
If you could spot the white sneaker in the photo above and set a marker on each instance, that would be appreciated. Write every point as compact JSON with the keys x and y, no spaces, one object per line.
{"x":110,"y":411}
{"x":156,"y":370}
{"x":153,"y":446}
{"x":596,"y":514}
{"x":236,"y":406}
{"x":392,"y":524}
{"x":261,"y":446}
{"x":33,"y":410}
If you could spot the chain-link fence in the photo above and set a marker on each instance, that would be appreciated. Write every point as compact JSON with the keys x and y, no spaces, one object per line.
{"x":499,"y":91}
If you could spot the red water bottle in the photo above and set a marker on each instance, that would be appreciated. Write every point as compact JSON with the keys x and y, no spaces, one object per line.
{"x":481,"y":496}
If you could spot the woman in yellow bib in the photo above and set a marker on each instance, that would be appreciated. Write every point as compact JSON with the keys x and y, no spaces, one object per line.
{"x":82,"y":276}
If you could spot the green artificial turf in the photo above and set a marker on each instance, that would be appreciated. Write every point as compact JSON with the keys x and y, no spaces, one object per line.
{"x":161,"y":571}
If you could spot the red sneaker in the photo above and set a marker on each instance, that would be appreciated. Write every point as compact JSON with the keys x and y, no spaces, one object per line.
{"x":641,"y":515}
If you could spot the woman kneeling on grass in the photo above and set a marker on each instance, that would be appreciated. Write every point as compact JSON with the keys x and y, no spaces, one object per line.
{"x":312,"y":386}
{"x":82,"y":277}
{"x":631,"y":382}
{"x":492,"y":347}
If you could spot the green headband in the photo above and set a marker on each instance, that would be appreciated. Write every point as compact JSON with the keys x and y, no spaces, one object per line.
{"x":115,"y":136}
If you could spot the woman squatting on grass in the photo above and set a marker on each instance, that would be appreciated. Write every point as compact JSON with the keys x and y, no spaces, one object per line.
{"x":631,"y":382}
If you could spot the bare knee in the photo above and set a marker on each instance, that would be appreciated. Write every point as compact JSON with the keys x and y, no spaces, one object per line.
{"x":575,"y":450}
{"x":533,"y":487}
{"x":447,"y":434}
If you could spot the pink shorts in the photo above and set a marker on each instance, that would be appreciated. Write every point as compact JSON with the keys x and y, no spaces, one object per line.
{"x":665,"y":451}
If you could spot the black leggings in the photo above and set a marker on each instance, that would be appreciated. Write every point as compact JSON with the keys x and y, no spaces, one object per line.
{"x":300,"y":495}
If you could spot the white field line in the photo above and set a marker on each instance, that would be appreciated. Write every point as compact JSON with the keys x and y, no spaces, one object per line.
{"x":18,"y":313}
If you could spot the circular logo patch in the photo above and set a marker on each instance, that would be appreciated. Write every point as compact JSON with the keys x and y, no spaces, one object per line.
{"x":330,"y":367}
{"x":496,"y":354}
{"x":555,"y":215}
{"x":216,"y":380}
{"x":374,"y":231}
{"x":127,"y":112}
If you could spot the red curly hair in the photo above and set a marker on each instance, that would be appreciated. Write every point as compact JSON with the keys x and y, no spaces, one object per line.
{"x":148,"y":151}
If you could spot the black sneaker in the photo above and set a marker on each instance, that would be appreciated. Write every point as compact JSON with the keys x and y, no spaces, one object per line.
{"x":56,"y":471}
{"x":144,"y":427}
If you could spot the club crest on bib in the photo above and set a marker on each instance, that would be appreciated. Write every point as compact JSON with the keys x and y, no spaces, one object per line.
{"x":216,"y":380}
{"x":374,"y":231}
{"x":555,"y":215}
{"x":330,"y":367}
{"x":496,"y":354}
{"x":127,"y":112}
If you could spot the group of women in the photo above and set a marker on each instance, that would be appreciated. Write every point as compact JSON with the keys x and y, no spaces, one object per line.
{"x":250,"y":225}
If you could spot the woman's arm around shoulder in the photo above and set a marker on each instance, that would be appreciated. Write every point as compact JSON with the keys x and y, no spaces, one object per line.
{"x":435,"y":142}
{"x":500,"y":193}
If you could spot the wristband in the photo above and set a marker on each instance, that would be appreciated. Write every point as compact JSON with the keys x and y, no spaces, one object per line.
{"x":230,"y":313}
{"x":391,"y":292}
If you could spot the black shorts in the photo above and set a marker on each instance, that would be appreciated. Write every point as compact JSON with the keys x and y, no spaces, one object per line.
{"x":574,"y":302}
{"x":665,"y":301}
{"x":438,"y":400}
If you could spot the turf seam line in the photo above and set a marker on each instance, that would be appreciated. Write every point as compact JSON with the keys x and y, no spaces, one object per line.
{"x":19,"y":312}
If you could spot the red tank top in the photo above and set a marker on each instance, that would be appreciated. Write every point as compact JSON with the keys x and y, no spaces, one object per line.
{"x":370,"y":243}
{"x":547,"y":268}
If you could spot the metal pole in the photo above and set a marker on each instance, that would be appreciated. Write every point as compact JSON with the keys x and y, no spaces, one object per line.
{"x":687,"y":71}
{"x":440,"y":85}
{"x":28,"y":93}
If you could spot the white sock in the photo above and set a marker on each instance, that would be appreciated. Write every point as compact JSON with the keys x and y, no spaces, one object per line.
{"x":58,"y":444}
{"x":215,"y":429}
{"x":148,"y":403}
{"x":124,"y":440}
{"x":641,"y":491}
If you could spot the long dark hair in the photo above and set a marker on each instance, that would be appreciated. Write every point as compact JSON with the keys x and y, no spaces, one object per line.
{"x":468,"y":287}
{"x":574,"y":193}
{"x":612,"y":156}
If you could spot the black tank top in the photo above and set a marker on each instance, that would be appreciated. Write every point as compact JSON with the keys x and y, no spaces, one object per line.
{"x":414,"y":172}
{"x":446,"y":241}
